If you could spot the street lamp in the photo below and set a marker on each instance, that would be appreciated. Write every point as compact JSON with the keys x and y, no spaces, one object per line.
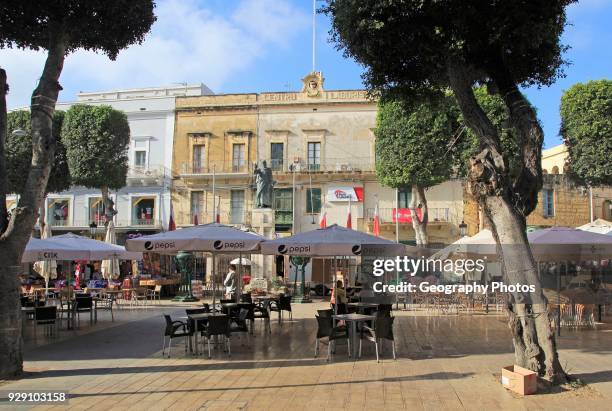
{"x":463,"y":229}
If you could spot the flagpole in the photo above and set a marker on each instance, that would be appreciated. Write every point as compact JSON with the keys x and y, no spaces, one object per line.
{"x":314,"y":34}
{"x":396,"y":216}
{"x":214,"y":197}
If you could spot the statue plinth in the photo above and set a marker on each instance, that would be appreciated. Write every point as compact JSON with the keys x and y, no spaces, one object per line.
{"x":262,"y":222}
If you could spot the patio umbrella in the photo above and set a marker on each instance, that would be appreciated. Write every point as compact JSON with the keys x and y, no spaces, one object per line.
{"x":48,"y":267}
{"x":479,"y":245}
{"x":598,"y":226}
{"x":562,"y":243}
{"x":110,"y":267}
{"x":241,"y":261}
{"x":214,"y":238}
{"x":90,"y":249}
{"x":40,"y":250}
{"x":332,"y":241}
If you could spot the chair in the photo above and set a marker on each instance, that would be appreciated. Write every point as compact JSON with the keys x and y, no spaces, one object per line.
{"x":191,"y":323}
{"x":218,"y":326}
{"x":340,"y":308}
{"x":239,"y":324}
{"x":383,"y":329}
{"x":325,"y":313}
{"x":284,"y":304}
{"x":327,"y":330}
{"x":83,"y":304}
{"x":139,"y":294}
{"x":263,"y":312}
{"x":106,"y":303}
{"x":155,"y":294}
{"x":174,"y":329}
{"x":226,"y":301}
{"x":246,"y":298}
{"x":46,"y":316}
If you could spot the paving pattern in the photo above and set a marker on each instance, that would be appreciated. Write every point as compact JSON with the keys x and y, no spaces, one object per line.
{"x":444,"y":362}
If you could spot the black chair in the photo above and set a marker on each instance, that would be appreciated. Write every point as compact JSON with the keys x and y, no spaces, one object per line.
{"x":239,"y":324}
{"x":325,"y":313}
{"x":175,"y":329}
{"x":263,"y":312}
{"x":218,"y":326}
{"x":385,"y":307}
{"x":283,"y":304}
{"x":46,"y":316}
{"x":191,"y":324}
{"x":246,"y":298}
{"x":206,"y":307}
{"x":83,"y":304}
{"x":383,"y":330}
{"x":327,"y":330}
{"x":224,"y":301}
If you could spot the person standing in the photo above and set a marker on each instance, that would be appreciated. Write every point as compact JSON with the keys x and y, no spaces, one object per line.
{"x":230,"y":283}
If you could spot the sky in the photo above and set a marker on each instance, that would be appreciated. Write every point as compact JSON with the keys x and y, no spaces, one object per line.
{"x":238,"y":46}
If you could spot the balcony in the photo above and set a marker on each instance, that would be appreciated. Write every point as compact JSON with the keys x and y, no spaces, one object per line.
{"x":146,"y":176}
{"x":84,"y":224}
{"x":435,"y":215}
{"x":207,"y":217}
{"x":217,"y":167}
{"x":324,"y":165}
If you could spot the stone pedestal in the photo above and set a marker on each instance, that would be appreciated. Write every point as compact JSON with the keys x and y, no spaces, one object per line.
{"x":262,"y":222}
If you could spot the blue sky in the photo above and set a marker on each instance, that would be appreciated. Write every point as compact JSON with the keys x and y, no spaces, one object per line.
{"x":240,"y":46}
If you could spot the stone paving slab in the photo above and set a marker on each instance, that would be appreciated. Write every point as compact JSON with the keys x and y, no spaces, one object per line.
{"x":444,"y":362}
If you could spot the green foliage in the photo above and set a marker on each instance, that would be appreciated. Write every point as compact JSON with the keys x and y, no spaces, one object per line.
{"x":97,"y":139}
{"x":407,"y":45}
{"x":412,"y":142}
{"x":586,"y":126}
{"x":19,"y":153}
{"x":106,"y":26}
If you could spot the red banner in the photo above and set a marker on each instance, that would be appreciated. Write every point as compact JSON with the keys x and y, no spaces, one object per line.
{"x":404,"y":215}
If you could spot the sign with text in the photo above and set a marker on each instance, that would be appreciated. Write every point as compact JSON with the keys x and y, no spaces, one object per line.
{"x":345,"y":194}
{"x":404,"y":215}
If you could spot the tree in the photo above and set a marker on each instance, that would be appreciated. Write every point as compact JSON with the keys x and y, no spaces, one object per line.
{"x":586,"y":127}
{"x":19,"y":153}
{"x":59,"y":27}
{"x":97,"y":140}
{"x":416,"y":46}
{"x":412,"y":150}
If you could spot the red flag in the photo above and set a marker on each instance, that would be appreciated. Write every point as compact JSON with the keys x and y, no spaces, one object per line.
{"x":218,"y":216}
{"x":349,"y":220}
{"x":195,"y":219}
{"x":171,"y":223}
{"x":376,"y":222}
{"x":323,"y":217}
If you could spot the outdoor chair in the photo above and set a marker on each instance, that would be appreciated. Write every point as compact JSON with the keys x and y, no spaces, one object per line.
{"x":283,"y":304}
{"x":384,"y":310}
{"x":139,"y":295}
{"x":155,"y":294}
{"x":246,"y":298}
{"x":46,"y":316}
{"x":206,"y":307}
{"x":175,"y":329}
{"x":106,"y":303}
{"x":383,"y":330}
{"x":226,"y":301}
{"x":239,"y":324}
{"x":327,"y":330}
{"x":218,"y":326}
{"x":250,"y":307}
{"x":83,"y":304}
{"x":340,"y":308}
{"x":325,"y":313}
{"x":263,"y":312}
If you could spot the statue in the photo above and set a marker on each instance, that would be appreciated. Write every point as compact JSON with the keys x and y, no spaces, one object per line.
{"x":264,"y":185}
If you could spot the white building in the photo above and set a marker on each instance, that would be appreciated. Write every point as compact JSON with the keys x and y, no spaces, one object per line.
{"x":143,"y":206}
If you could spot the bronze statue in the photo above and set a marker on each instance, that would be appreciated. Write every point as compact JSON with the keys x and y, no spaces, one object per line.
{"x":264,"y":185}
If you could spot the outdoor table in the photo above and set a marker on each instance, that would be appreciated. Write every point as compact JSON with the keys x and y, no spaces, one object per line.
{"x":228,"y":307}
{"x":196,"y":318}
{"x":354,"y":319}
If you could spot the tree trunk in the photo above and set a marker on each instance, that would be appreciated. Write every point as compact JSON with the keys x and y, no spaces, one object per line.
{"x":19,"y":228}
{"x":419,"y":225}
{"x":3,"y":130}
{"x":505,"y":204}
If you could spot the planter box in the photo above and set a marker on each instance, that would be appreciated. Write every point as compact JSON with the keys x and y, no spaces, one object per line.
{"x":520,"y":380}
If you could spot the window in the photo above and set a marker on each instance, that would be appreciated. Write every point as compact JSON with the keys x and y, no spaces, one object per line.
{"x":140,"y":159}
{"x":283,"y":208}
{"x":276,"y":156}
{"x":198,"y":158}
{"x":197,"y":205}
{"x":238,"y":159}
{"x":548,"y":203}
{"x":313,"y":200}
{"x":143,"y":210}
{"x":237,"y":207}
{"x":58,"y":211}
{"x":314,"y":156}
{"x":96,"y":211}
{"x":404,"y":196}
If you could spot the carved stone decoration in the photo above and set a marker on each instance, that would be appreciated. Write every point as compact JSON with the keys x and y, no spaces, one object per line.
{"x":313,"y":84}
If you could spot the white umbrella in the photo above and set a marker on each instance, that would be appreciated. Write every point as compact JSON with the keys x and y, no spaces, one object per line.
{"x":332,"y":241}
{"x":48,"y":267}
{"x":241,"y":261}
{"x":96,"y":250}
{"x":214,"y":237}
{"x":562,"y":243}
{"x":37,"y":250}
{"x":598,"y":226}
{"x":481,"y":244}
{"x":110,"y":267}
